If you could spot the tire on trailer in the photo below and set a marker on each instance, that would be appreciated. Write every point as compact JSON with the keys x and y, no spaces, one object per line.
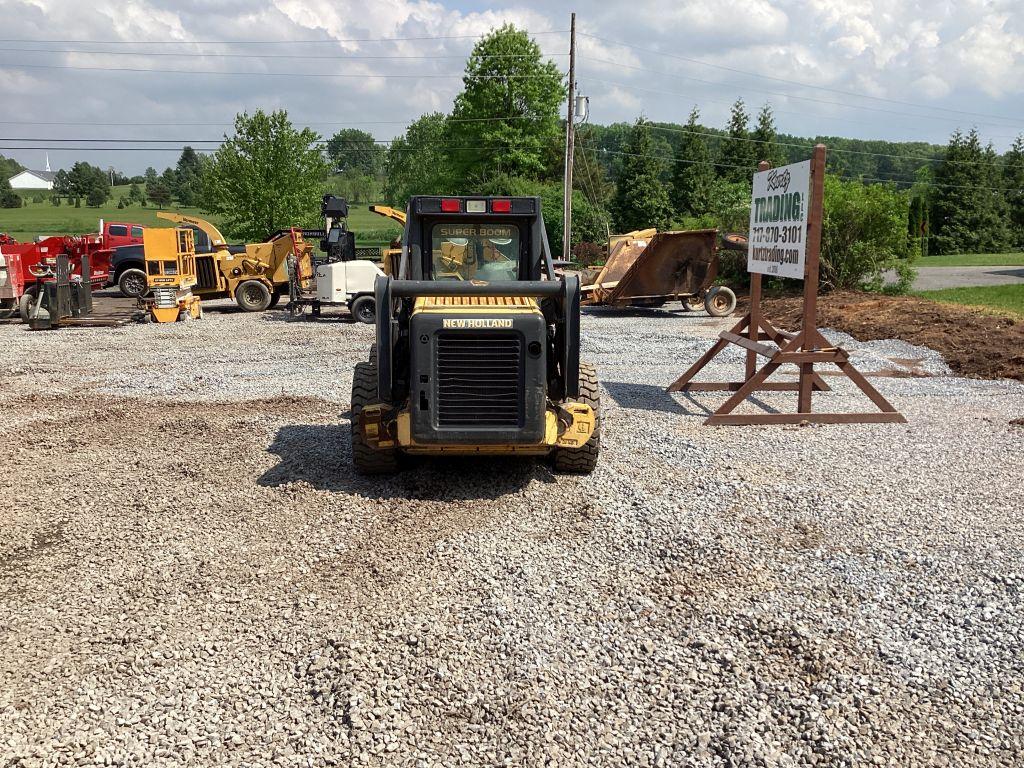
{"x":367,"y":460}
{"x":364,"y":309}
{"x":8,"y":308}
{"x":252,"y":296}
{"x":582,"y":460}
{"x":720,"y":301}
{"x":132,"y":283}
{"x":693,"y":303}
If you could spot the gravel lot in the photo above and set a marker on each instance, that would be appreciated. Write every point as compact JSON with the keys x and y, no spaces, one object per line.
{"x":192,"y":575}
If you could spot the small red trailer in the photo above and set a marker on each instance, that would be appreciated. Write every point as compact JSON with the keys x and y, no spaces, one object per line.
{"x":25,"y":266}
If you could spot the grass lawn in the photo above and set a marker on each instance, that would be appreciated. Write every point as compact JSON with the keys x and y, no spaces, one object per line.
{"x":999,"y":298}
{"x":973,"y":260}
{"x":45,"y":219}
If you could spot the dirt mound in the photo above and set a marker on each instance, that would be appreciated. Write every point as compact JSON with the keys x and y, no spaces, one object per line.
{"x":974,"y":343}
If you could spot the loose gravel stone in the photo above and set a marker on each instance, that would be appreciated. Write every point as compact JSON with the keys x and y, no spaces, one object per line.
{"x":191,"y":573}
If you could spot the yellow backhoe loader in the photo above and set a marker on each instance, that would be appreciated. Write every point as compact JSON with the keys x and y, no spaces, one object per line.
{"x":254,"y":275}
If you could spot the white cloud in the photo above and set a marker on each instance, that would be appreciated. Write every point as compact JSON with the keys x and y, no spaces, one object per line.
{"x":963,"y":56}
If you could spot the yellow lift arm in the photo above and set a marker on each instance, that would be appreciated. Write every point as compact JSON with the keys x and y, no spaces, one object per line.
{"x":217,"y":240}
{"x":391,"y":213}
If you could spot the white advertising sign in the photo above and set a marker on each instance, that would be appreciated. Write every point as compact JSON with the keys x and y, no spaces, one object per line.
{"x":777,"y":243}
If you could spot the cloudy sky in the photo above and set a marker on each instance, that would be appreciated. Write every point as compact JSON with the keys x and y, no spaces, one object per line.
{"x":145,"y":69}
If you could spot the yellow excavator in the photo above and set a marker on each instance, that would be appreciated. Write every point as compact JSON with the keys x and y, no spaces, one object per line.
{"x":254,"y":275}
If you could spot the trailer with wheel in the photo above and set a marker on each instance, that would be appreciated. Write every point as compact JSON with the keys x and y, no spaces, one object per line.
{"x":649,"y":269}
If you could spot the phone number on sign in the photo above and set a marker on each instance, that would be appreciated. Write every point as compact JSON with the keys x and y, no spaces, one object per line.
{"x":792,"y":234}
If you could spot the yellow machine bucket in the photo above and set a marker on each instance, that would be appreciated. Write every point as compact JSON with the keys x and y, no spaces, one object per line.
{"x":653,"y":265}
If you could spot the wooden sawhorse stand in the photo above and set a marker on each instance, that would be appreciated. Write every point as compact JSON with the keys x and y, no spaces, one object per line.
{"x":803,"y":349}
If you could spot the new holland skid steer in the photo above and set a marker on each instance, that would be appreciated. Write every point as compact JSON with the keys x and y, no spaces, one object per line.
{"x":478,"y":344}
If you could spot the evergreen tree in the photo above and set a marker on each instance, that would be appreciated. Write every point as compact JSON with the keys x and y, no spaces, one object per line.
{"x":188,"y":177}
{"x":508,"y":111}
{"x":738,"y":157}
{"x":1013,"y":180}
{"x":641,"y":199}
{"x":766,"y":145}
{"x":969,"y":212}
{"x":693,"y":173}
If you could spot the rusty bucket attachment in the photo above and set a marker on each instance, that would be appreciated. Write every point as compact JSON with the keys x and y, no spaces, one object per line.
{"x":649,"y":267}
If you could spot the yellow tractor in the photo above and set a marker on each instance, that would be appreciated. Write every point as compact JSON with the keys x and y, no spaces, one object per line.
{"x":170,"y":275}
{"x":478,"y":344}
{"x":254,"y":275}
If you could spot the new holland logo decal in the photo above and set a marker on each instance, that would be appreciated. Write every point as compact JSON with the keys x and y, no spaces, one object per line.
{"x":477,"y":322}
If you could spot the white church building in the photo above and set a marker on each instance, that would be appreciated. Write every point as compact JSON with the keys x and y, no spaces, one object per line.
{"x":34,"y":179}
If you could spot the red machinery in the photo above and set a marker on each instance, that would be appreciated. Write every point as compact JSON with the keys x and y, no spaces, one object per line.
{"x":21,"y":264}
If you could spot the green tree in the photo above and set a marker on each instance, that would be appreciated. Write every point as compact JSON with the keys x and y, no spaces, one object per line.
{"x":506,"y":119}
{"x":159,"y":193}
{"x":266,"y":177}
{"x":9,"y":167}
{"x":352,"y":151}
{"x":62,"y":184}
{"x":1013,"y":180}
{"x":766,"y":145}
{"x":417,"y":163}
{"x":83,"y":178}
{"x":150,"y":175}
{"x":693,"y":174}
{"x":8,"y":198}
{"x":738,"y":156}
{"x":96,"y":197}
{"x":135,"y":194}
{"x":969,"y":212}
{"x":188,"y":177}
{"x":641,"y":199}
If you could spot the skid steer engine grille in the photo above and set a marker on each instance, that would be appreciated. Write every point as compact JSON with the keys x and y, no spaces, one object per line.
{"x":480,"y":380}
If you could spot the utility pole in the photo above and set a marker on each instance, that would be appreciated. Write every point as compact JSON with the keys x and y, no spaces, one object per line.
{"x":570,"y":140}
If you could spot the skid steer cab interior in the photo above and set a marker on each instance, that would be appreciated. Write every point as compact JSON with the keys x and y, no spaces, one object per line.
{"x":478,"y":344}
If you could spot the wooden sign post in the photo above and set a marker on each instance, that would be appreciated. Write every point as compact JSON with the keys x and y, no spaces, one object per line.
{"x":784,"y":241}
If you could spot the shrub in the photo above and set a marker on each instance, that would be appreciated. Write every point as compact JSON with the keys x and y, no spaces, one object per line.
{"x":55,"y":200}
{"x":9,"y":199}
{"x":38,"y":198}
{"x":865,"y":235}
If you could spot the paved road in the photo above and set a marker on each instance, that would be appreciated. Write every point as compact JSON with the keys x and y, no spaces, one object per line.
{"x":934,"y":278}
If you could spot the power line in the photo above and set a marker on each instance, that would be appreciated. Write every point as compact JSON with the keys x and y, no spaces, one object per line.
{"x":333,"y":56}
{"x":350,"y":75}
{"x":296,"y":120}
{"x":746,"y":73}
{"x":842,"y":105}
{"x":277,"y":41}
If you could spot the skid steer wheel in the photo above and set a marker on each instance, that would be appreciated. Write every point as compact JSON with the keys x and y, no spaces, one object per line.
{"x":364,"y":309}
{"x":368,"y":461}
{"x":252,"y":296}
{"x":581,"y":461}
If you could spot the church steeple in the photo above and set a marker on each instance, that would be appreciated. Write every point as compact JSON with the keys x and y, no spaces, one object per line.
{"x":47,"y":161}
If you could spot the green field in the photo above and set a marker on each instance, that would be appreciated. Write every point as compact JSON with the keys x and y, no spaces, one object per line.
{"x":973,"y":260}
{"x":44,"y":219}
{"x":998,"y":298}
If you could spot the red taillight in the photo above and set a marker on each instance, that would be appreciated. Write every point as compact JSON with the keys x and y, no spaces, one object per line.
{"x":449,"y":206}
{"x":501,"y":206}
